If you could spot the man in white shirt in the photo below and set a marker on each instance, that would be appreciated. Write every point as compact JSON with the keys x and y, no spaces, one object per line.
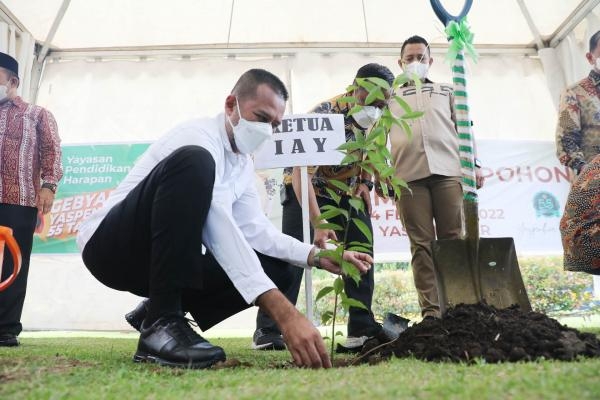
{"x":195,"y":186}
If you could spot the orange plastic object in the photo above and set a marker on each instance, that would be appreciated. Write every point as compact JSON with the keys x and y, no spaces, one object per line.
{"x":7,"y":238}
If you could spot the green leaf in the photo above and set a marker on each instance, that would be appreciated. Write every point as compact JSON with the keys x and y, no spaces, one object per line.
{"x":364,"y":229}
{"x":326,"y":317}
{"x":379,"y":82}
{"x":356,"y":243}
{"x":407,"y":109}
{"x":338,"y":285}
{"x":340,"y":185}
{"x":387,"y":171}
{"x":336,"y":197}
{"x":339,"y":333}
{"x":413,"y":115}
{"x":347,"y":99}
{"x":354,"y":110}
{"x":350,"y":159}
{"x":330,"y":225}
{"x":375,"y":133}
{"x":376,"y":94}
{"x":364,"y":83}
{"x":359,"y":248}
{"x":334,"y":213}
{"x":323,"y":292}
{"x":351,"y":146}
{"x":400,"y":80}
{"x":407,"y":129}
{"x":357,"y":204}
{"x":355,"y":303}
{"x":350,"y":270}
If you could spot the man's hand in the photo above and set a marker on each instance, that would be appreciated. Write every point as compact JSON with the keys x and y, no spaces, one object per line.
{"x":322,"y":236}
{"x":363,"y":191}
{"x":361,"y":261}
{"x":44,"y":200}
{"x":303,"y":340}
{"x":479,"y":179}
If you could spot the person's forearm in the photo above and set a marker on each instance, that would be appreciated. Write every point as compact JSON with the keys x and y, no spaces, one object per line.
{"x":277,"y":306}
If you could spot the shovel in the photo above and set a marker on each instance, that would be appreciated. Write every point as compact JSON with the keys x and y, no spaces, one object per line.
{"x":7,"y":238}
{"x":472,"y":270}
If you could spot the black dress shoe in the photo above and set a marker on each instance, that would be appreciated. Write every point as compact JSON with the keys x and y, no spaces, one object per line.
{"x":267,"y":339}
{"x":171,"y":341}
{"x":137,"y":315}
{"x":8,"y":340}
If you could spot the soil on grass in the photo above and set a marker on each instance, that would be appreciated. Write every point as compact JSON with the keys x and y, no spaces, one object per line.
{"x":478,"y":331}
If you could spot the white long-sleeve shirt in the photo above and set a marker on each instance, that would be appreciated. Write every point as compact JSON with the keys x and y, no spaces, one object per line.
{"x":235,"y":224}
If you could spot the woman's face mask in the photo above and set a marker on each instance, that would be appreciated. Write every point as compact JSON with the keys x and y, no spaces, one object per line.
{"x":367,"y":116}
{"x":249,"y":135}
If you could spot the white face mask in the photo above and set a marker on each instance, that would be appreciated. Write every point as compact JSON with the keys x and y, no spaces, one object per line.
{"x":597,"y":64}
{"x":367,"y":116}
{"x":249,"y":135}
{"x":417,"y":68}
{"x":3,"y":92}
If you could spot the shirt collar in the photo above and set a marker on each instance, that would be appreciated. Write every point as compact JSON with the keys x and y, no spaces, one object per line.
{"x":17,"y":101}
{"x":594,"y":77}
{"x":222,"y":120}
{"x":412,"y":83}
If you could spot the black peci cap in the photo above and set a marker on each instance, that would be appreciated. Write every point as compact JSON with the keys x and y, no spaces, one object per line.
{"x":9,"y":63}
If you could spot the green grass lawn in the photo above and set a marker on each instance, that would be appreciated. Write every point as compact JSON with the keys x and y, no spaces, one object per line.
{"x":101,"y":368}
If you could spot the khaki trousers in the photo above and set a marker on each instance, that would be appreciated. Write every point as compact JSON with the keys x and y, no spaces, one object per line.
{"x":433,"y":209}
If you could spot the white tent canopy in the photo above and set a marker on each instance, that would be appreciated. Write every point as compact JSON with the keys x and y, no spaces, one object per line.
{"x":110,"y":24}
{"x":128,"y":70}
{"x":148,"y":64}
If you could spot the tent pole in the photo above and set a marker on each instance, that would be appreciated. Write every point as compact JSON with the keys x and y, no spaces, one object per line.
{"x":57,"y":20}
{"x":584,"y":8}
{"x":534,"y":30}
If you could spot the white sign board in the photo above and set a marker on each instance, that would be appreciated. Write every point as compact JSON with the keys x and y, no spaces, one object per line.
{"x":303,"y":139}
{"x":523,"y":197}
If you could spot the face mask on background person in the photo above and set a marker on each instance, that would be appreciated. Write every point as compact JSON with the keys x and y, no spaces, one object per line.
{"x":3,"y":92}
{"x":417,"y":68}
{"x":249,"y":135}
{"x":367,"y":116}
{"x":597,"y":64}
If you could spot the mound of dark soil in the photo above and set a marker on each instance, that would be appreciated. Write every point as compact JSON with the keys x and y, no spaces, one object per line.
{"x":480,"y":331}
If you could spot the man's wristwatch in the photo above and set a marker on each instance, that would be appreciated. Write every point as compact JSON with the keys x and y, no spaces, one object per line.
{"x":368,"y":183}
{"x":51,"y":186}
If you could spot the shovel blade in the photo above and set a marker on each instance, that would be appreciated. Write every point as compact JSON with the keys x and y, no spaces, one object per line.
{"x":495,"y":276}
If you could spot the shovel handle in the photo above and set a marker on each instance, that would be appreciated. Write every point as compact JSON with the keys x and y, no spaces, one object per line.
{"x":445,"y":16}
{"x":7,"y":238}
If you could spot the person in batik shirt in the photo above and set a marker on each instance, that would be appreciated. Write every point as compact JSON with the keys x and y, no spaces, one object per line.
{"x":578,"y":130}
{"x":30,"y":168}
{"x":580,"y":223}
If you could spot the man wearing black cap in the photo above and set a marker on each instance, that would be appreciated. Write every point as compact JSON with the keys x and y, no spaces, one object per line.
{"x":30,"y":169}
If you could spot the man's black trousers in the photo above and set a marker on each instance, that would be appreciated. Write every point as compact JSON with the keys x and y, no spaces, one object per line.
{"x":22,"y":221}
{"x":149,"y":244}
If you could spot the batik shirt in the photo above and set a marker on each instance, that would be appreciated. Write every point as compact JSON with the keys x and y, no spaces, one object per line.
{"x":578,"y":130}
{"x":29,"y":151}
{"x":580,"y":224}
{"x":324,"y":173}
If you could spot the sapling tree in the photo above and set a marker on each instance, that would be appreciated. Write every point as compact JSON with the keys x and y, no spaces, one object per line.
{"x":369,"y":152}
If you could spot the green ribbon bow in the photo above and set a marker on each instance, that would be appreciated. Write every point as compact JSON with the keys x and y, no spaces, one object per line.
{"x":461,"y":38}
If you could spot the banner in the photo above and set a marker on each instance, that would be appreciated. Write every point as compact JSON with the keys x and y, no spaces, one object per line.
{"x":523,"y":197}
{"x":91,"y":172}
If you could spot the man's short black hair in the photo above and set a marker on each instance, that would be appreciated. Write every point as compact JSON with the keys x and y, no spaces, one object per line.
{"x":414,"y":40}
{"x":374,"y":70}
{"x":246,"y":86}
{"x":594,"y":41}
